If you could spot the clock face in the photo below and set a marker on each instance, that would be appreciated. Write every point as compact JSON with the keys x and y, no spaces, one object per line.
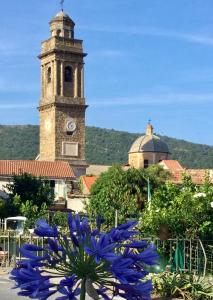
{"x":71,"y":126}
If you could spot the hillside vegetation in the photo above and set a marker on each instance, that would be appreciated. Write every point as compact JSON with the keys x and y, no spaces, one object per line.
{"x":103,"y":146}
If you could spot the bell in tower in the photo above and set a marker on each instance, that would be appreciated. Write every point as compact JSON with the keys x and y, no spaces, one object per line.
{"x":62,"y":104}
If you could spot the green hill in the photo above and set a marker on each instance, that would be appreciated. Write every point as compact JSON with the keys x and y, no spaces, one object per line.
{"x":103,"y":146}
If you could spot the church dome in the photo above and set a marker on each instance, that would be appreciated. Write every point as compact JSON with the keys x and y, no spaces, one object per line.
{"x":149,"y":143}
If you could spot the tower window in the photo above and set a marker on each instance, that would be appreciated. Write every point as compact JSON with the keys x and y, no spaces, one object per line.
{"x":49,"y":75}
{"x":68,"y":74}
{"x":146,"y":163}
{"x":58,"y":33}
{"x":66,"y":34}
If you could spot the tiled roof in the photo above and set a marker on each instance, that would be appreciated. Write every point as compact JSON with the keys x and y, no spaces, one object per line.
{"x":89,"y":181}
{"x":176,"y":176}
{"x":48,"y":169}
{"x":197,"y":175}
{"x":172,"y":165}
{"x":177,"y":172}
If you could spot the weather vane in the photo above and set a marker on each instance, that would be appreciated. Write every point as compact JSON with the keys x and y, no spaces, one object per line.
{"x":62,"y":4}
{"x":149,"y":121}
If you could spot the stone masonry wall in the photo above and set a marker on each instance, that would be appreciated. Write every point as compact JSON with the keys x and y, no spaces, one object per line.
{"x":78,"y":115}
{"x":47,"y":134}
{"x":136,"y":160}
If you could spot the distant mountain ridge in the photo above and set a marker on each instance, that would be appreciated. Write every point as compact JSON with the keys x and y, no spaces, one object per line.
{"x":103,"y":146}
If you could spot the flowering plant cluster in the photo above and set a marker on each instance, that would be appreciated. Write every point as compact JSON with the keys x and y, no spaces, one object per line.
{"x":103,"y":265}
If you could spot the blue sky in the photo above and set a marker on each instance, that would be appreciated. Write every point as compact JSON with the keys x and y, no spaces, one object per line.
{"x":146,"y":59}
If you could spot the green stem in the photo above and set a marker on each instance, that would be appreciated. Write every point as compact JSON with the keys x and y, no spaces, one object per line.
{"x":83,"y":289}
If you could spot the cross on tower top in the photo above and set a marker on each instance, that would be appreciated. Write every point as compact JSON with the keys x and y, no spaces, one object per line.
{"x":62,"y":4}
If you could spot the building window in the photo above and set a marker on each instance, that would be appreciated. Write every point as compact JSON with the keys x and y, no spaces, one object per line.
{"x":79,"y":81}
{"x":146,"y":163}
{"x":52,"y":184}
{"x":68,"y":74}
{"x":49,"y":75}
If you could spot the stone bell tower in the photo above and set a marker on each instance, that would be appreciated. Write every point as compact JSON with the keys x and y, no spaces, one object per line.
{"x":62,"y":105}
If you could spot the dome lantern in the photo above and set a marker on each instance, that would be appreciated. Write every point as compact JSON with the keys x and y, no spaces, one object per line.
{"x":149,"y":129}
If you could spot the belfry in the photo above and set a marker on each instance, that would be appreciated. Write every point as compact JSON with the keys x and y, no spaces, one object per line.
{"x":62,"y":104}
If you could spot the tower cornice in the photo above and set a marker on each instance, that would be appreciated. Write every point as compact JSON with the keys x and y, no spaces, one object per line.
{"x":60,"y":51}
{"x":65,"y":105}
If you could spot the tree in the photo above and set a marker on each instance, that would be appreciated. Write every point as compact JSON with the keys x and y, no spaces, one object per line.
{"x":60,"y":219}
{"x":31,"y":188}
{"x":124,"y":191}
{"x":33,"y":213}
{"x":185,"y":210}
{"x":29,"y":196}
{"x":158,"y":175}
{"x":3,"y":209}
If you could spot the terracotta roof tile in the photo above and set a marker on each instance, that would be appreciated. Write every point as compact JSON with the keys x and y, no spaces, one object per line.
{"x":47,"y":169}
{"x":197,"y":175}
{"x":89,"y":181}
{"x":176,"y":176}
{"x":172,"y":164}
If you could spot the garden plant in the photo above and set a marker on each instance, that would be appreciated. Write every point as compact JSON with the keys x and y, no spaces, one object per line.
{"x":86,"y":260}
{"x":182,"y":286}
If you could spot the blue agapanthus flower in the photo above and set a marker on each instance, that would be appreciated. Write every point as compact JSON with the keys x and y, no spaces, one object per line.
{"x":86,"y":261}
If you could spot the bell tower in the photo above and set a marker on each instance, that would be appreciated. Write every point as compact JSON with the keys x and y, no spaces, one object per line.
{"x":62,"y":104}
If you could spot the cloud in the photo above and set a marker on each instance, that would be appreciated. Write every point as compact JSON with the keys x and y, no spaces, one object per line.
{"x":16,"y":48}
{"x":7,"y":48}
{"x":197,"y":38}
{"x":17,"y":106}
{"x":18,"y":87}
{"x":188,"y":37}
{"x":110,"y":53}
{"x":194,"y":75}
{"x":155,"y":99}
